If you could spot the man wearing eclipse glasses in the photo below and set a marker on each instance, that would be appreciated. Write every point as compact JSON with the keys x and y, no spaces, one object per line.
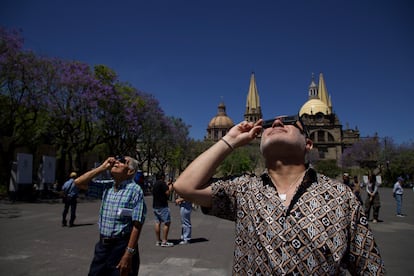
{"x":290,"y":220}
{"x":121,"y":217}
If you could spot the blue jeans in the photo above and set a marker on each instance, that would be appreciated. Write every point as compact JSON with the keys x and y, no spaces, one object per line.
{"x":399,"y":199}
{"x":185,"y":212}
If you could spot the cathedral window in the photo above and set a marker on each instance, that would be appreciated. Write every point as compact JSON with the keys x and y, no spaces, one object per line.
{"x":321,"y":136}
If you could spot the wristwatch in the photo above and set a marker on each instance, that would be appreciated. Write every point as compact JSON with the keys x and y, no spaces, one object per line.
{"x":131,"y":250}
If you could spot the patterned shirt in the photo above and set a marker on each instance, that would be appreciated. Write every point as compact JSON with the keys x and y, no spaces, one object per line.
{"x":128,"y":198}
{"x":322,"y":231}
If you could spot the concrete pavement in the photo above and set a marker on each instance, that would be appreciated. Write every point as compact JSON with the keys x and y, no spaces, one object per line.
{"x":32,"y":242}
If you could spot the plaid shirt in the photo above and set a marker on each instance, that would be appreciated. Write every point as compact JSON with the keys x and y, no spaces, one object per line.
{"x":322,"y":231}
{"x":130,"y":196}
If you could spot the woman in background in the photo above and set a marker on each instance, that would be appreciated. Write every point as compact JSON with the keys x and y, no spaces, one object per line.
{"x":185,"y":213}
{"x":373,"y":198}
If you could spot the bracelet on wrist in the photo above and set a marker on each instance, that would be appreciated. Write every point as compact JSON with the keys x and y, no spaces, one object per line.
{"x":227,"y":143}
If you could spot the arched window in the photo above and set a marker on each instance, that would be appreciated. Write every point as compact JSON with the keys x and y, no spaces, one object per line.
{"x":321,"y":136}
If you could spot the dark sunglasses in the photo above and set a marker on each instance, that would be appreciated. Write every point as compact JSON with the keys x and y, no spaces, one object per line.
{"x":287,"y":120}
{"x":121,"y":159}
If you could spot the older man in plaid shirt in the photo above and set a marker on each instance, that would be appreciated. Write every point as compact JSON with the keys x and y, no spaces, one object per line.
{"x":121,"y":218}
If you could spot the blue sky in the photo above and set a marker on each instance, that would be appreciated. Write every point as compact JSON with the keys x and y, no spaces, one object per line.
{"x":191,"y":55}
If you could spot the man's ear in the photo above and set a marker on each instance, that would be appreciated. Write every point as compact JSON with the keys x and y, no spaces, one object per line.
{"x":131,"y":172}
{"x":309,"y":144}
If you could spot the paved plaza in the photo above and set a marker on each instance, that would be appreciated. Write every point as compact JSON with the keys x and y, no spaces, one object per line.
{"x":32,"y":241}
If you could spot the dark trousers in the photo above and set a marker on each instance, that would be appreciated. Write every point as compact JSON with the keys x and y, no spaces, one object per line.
{"x":70,"y":202}
{"x":107,"y":257}
{"x":373,"y":202}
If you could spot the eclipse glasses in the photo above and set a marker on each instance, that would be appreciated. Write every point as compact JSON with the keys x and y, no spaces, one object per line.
{"x":120,"y":159}
{"x":287,"y":120}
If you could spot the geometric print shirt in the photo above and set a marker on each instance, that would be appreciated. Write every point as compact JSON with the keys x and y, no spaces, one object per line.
{"x":130,"y":197}
{"x":322,"y":232}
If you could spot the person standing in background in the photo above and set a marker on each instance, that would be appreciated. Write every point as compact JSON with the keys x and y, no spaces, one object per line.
{"x":347,"y":181}
{"x":185,"y":213}
{"x":397,"y":193}
{"x":161,"y":193}
{"x":353,"y":185}
{"x":357,"y":189}
{"x":373,"y":199}
{"x":70,"y":195}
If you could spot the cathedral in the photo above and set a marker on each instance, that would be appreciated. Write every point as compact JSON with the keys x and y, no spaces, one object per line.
{"x":326,"y":131}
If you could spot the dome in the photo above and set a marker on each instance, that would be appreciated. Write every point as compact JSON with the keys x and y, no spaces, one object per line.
{"x":313,"y":107}
{"x":220,"y":121}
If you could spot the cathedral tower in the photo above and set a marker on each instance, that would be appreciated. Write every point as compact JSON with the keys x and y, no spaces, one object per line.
{"x":329,"y":138}
{"x":253,"y":109}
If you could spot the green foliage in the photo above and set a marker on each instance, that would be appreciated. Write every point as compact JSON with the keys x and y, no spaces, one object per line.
{"x":381,"y":156}
{"x":237,"y":163}
{"x":401,"y":163}
{"x":105,"y":74}
{"x":328,"y":168}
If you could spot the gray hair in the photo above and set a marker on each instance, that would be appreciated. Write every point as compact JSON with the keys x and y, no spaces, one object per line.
{"x":133,"y":164}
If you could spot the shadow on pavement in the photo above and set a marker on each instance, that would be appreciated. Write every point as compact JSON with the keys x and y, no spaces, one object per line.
{"x":196,"y":240}
{"x":81,"y":224}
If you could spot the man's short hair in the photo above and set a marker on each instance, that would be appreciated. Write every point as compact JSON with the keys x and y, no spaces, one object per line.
{"x":133,"y":164}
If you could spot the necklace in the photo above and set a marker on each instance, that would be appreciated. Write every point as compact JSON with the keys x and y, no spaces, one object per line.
{"x":284,"y":195}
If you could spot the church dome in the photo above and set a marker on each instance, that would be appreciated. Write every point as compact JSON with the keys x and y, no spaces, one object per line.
{"x":221,"y":120}
{"x":313,"y":107}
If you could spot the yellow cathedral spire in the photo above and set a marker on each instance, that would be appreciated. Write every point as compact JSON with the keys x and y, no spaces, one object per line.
{"x":323,"y":93}
{"x":253,"y":109}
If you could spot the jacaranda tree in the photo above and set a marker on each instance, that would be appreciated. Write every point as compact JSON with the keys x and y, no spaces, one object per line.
{"x":21,"y":116}
{"x":79,"y":110}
